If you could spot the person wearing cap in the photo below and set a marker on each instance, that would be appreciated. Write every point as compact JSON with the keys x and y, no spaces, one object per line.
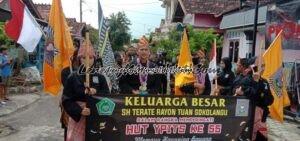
{"x":143,"y":82}
{"x":76,"y":92}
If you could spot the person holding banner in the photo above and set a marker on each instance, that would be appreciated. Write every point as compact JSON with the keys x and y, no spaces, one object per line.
{"x":242,"y":76}
{"x":76,"y":91}
{"x":142,"y":83}
{"x":202,"y":85}
{"x":264,"y":98}
{"x":65,"y":74}
{"x":225,"y":77}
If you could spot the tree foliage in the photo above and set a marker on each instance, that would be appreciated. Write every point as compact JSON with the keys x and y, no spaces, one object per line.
{"x":170,"y":44}
{"x":119,"y":30}
{"x":94,"y":36}
{"x":203,"y":39}
{"x":135,"y":41}
{"x":4,"y":40}
{"x":198,"y":39}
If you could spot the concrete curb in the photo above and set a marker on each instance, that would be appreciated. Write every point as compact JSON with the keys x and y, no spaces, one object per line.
{"x":25,"y":89}
{"x":22,"y":107}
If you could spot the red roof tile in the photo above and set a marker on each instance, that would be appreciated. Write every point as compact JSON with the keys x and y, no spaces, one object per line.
{"x":44,"y":10}
{"x":215,"y":7}
{"x":76,"y":27}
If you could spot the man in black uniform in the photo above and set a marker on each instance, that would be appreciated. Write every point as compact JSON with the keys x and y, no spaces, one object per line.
{"x":243,"y":77}
{"x":263,"y":99}
{"x":252,"y":85}
{"x":141,"y":83}
{"x":162,"y":62}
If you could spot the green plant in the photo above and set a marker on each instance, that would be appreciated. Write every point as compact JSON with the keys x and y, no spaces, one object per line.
{"x":198,"y":39}
{"x":4,"y":40}
{"x":119,"y":30}
{"x":203,"y":39}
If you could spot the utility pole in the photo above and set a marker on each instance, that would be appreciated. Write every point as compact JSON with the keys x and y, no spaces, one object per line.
{"x":255,"y":28}
{"x":80,"y":6}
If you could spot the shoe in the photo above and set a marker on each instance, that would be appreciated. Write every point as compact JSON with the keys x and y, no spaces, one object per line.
{"x":3,"y":102}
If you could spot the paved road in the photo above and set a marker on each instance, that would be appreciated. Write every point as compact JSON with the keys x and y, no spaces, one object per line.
{"x":39,"y":122}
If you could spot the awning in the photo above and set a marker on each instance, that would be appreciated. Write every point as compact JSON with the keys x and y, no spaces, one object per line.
{"x":243,"y":18}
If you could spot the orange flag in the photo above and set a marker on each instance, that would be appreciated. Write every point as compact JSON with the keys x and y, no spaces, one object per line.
{"x":185,"y":60}
{"x":274,"y":74}
{"x":58,"y":50}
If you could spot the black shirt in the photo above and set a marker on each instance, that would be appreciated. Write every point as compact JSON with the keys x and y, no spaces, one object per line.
{"x":127,"y":82}
{"x":74,"y":91}
{"x":225,"y":80}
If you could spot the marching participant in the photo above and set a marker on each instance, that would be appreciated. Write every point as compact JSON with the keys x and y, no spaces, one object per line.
{"x":242,"y":81}
{"x":65,"y":74}
{"x":264,"y":98}
{"x":78,"y":88}
{"x":225,"y":77}
{"x":202,"y":84}
{"x":141,"y":83}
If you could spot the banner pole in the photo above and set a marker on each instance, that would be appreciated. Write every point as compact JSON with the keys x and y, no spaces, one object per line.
{"x":215,"y":52}
{"x":87,"y":60}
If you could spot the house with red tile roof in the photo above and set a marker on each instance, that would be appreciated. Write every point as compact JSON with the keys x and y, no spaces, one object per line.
{"x":76,"y":28}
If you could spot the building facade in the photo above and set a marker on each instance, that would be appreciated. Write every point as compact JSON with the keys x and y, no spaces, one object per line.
{"x":238,"y":33}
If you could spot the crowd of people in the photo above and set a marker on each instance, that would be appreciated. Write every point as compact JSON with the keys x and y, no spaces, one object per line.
{"x":245,"y":81}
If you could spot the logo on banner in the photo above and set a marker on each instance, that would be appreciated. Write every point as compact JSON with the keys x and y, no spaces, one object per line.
{"x":276,"y":82}
{"x":50,"y":50}
{"x":105,"y":107}
{"x":50,"y":53}
{"x":242,"y":108}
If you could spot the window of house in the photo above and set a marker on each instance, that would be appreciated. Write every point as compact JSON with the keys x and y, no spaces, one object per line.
{"x":234,"y":50}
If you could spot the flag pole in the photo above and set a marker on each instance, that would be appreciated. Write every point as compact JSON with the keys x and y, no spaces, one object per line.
{"x":87,"y":60}
{"x":260,"y":56}
{"x":104,"y":43}
{"x":215,"y":52}
{"x":277,"y":36}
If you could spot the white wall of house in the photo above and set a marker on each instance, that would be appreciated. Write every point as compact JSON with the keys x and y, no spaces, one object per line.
{"x":235,"y":35}
{"x":170,"y":6}
{"x":245,"y":46}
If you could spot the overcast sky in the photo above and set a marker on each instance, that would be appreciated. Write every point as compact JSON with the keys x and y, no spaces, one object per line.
{"x":144,"y":15}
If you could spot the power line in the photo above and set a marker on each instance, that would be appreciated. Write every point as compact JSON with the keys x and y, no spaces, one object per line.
{"x":141,"y":12}
{"x":144,"y":24}
{"x":121,"y":4}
